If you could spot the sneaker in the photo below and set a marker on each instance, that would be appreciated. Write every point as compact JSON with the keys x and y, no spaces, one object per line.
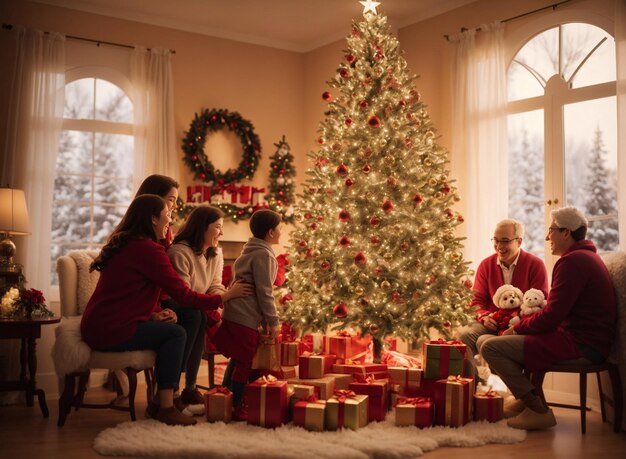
{"x":172,"y":417}
{"x":531,"y":420}
{"x":151,"y":410}
{"x":513,"y":407}
{"x":240,"y":413}
{"x":192,"y":397}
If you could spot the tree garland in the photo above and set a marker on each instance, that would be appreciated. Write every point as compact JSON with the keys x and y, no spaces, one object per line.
{"x":195,"y":138}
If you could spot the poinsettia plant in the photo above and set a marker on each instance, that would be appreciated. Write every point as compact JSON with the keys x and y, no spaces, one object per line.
{"x":31,"y":303}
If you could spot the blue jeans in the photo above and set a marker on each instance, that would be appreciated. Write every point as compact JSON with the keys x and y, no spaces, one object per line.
{"x":167,"y":340}
{"x":194,"y":322}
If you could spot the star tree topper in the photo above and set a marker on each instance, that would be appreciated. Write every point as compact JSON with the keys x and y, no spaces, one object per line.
{"x":369,"y":5}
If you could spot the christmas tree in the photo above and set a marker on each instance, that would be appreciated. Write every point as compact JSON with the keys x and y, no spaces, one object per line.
{"x":281,"y":186}
{"x":375,"y":247}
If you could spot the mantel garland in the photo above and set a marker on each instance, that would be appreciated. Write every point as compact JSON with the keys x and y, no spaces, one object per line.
{"x":195,"y":138}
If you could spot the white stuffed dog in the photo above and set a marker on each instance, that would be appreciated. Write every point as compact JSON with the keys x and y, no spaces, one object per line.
{"x":508,"y":300}
{"x":533,"y":301}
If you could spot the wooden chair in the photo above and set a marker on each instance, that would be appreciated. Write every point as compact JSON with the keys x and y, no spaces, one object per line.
{"x":209,"y":356}
{"x":73,"y":359}
{"x":583,"y":369}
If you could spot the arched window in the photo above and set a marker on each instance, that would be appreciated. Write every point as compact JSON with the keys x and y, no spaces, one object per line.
{"x":93,"y":179}
{"x":562,"y":126}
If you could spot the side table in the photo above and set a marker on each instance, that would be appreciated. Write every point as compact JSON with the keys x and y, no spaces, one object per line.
{"x":27,"y":330}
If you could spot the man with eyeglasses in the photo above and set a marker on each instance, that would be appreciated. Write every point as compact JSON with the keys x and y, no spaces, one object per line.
{"x":509,"y":265}
{"x":578,"y":321}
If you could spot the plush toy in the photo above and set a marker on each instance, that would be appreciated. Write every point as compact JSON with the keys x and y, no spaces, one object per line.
{"x":533,"y":301}
{"x":508,"y":299}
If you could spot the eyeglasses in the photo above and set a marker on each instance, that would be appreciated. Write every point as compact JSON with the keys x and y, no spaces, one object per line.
{"x":552,"y":229}
{"x":497,"y":241}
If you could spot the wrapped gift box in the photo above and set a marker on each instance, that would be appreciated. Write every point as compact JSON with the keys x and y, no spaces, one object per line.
{"x":349,"y":348}
{"x":347,"y":410}
{"x":289,"y":353}
{"x":407,"y":378}
{"x":342,"y":381}
{"x":453,"y":399}
{"x":218,"y":404}
{"x":416,"y":411}
{"x":310,"y":414}
{"x":281,"y":373}
{"x":323,"y":387}
{"x":488,"y":406}
{"x":314,"y":366}
{"x":267,"y":356}
{"x":299,"y":392}
{"x":394,"y":358}
{"x":339,"y":345}
{"x":443,"y":358}
{"x":376,"y":370}
{"x":311,"y":342}
{"x":377,"y":393}
{"x":267,"y":402}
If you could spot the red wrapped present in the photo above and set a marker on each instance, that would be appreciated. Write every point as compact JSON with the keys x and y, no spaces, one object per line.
{"x":453,"y":399}
{"x":376,"y":392}
{"x":443,"y":358}
{"x":488,"y":406}
{"x":323,"y":387}
{"x":289,"y":353}
{"x":407,"y":378}
{"x":283,"y":373}
{"x":342,"y":381}
{"x":416,"y":411}
{"x":218,"y":404}
{"x":347,"y":347}
{"x":363,"y":369}
{"x":346,"y":409}
{"x":314,"y":366}
{"x":339,"y":345}
{"x":198,"y":193}
{"x":398,"y":359}
{"x":311,"y":342}
{"x":310,"y":413}
{"x":243,"y":194}
{"x":267,"y":402}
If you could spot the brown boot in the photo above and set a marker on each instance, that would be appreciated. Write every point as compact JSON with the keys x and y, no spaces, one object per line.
{"x":151,"y":410}
{"x":172,"y":417}
{"x":192,"y":397}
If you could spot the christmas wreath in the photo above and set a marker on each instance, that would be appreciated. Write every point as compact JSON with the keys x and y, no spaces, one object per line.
{"x":214,"y":120}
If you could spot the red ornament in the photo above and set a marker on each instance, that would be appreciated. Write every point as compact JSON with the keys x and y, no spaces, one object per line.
{"x":348,"y":122}
{"x":320,"y":219}
{"x":402,"y":103}
{"x":307,"y":215}
{"x":460,"y":218}
{"x":430,"y":280}
{"x":302,"y":243}
{"x":202,"y":176}
{"x":341,"y":169}
{"x":374,"y":240}
{"x":340,"y":310}
{"x":445,"y":188}
{"x":367,"y":169}
{"x":349,"y":182}
{"x":468,"y":284}
{"x":396,"y":297}
{"x":325,"y":265}
{"x":387,"y":206}
{"x":285,"y":299}
{"x":447,"y":324}
{"x":327,"y":96}
{"x":350,"y":58}
{"x":364,"y":104}
{"x":417,"y":198}
{"x":378,"y":56}
{"x":194,"y":157}
{"x":359,"y":258}
{"x":344,"y":241}
{"x":374,"y":221}
{"x":321,"y":140}
{"x":344,"y":73}
{"x":344,"y":216}
{"x":373,"y":122}
{"x":313,"y":226}
{"x":449,"y":212}
{"x":321,"y":162}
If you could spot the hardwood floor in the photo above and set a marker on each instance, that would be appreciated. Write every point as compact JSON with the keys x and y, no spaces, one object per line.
{"x":24,"y":433}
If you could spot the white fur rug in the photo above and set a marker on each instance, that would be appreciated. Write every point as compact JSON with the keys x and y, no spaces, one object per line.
{"x":148,"y":438}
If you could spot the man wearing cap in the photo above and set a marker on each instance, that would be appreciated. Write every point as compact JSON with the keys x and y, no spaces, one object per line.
{"x":578,"y":321}
{"x":508,"y":265}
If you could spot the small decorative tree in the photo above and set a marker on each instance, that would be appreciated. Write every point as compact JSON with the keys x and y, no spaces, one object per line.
{"x":281,"y":187}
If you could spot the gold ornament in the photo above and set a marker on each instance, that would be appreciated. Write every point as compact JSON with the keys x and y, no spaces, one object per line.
{"x":385,"y":285}
{"x":439,"y":195}
{"x":359,"y":290}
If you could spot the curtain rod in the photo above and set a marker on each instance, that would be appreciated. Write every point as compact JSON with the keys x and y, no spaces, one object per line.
{"x":528,"y":13}
{"x":91,"y":40}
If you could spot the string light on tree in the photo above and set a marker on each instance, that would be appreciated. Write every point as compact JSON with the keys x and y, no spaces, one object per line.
{"x":382,"y":256}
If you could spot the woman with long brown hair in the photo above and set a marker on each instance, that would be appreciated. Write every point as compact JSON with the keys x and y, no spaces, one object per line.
{"x":124,"y":313}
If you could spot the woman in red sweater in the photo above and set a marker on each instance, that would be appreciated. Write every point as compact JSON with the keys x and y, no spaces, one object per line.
{"x":124,"y":313}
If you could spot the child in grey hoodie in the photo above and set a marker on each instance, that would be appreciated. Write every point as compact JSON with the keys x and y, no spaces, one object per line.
{"x":238,"y":335}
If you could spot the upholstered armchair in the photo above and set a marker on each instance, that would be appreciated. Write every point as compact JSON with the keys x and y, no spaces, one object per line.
{"x":74,"y":360}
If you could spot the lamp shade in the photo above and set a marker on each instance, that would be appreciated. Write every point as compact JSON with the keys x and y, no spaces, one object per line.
{"x":13,"y":212}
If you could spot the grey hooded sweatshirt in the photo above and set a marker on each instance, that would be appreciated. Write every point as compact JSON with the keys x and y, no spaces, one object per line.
{"x":256,"y":265}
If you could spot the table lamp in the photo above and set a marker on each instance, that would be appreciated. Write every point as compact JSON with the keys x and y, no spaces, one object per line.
{"x":13,"y":222}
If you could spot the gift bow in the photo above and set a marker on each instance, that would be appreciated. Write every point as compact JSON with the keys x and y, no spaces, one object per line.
{"x":219,"y":390}
{"x":489,"y":393}
{"x":344,"y":394}
{"x":267,"y":379}
{"x":311,"y":354}
{"x":457,"y":378}
{"x":369,"y":379}
{"x":412,"y":400}
{"x":344,"y":333}
{"x":311,"y":399}
{"x":452,"y":342}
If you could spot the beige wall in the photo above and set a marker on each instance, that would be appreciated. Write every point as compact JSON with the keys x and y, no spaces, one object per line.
{"x":279,"y":91}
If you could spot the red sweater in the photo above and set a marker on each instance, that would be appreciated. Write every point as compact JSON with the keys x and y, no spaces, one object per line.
{"x":128,"y":291}
{"x":530,"y":272}
{"x":581,"y":303}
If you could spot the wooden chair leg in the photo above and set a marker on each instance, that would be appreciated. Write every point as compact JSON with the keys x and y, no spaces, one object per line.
{"x":583,"y":402}
{"x":132,"y":391}
{"x":211,"y":368}
{"x":83,"y":381}
{"x":150,"y":383}
{"x":617,"y":397}
{"x":601,"y":393}
{"x":65,"y":401}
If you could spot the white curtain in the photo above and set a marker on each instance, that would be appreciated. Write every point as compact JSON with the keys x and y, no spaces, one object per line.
{"x":620,"y":45}
{"x":153,"y":100}
{"x":479,"y":142}
{"x":35,"y":116}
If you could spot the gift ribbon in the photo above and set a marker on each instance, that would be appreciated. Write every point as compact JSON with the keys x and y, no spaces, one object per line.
{"x":455,"y":397}
{"x":344,"y":334}
{"x":342,"y":395}
{"x":219,"y":390}
{"x":264,"y":381}
{"x":412,"y":400}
